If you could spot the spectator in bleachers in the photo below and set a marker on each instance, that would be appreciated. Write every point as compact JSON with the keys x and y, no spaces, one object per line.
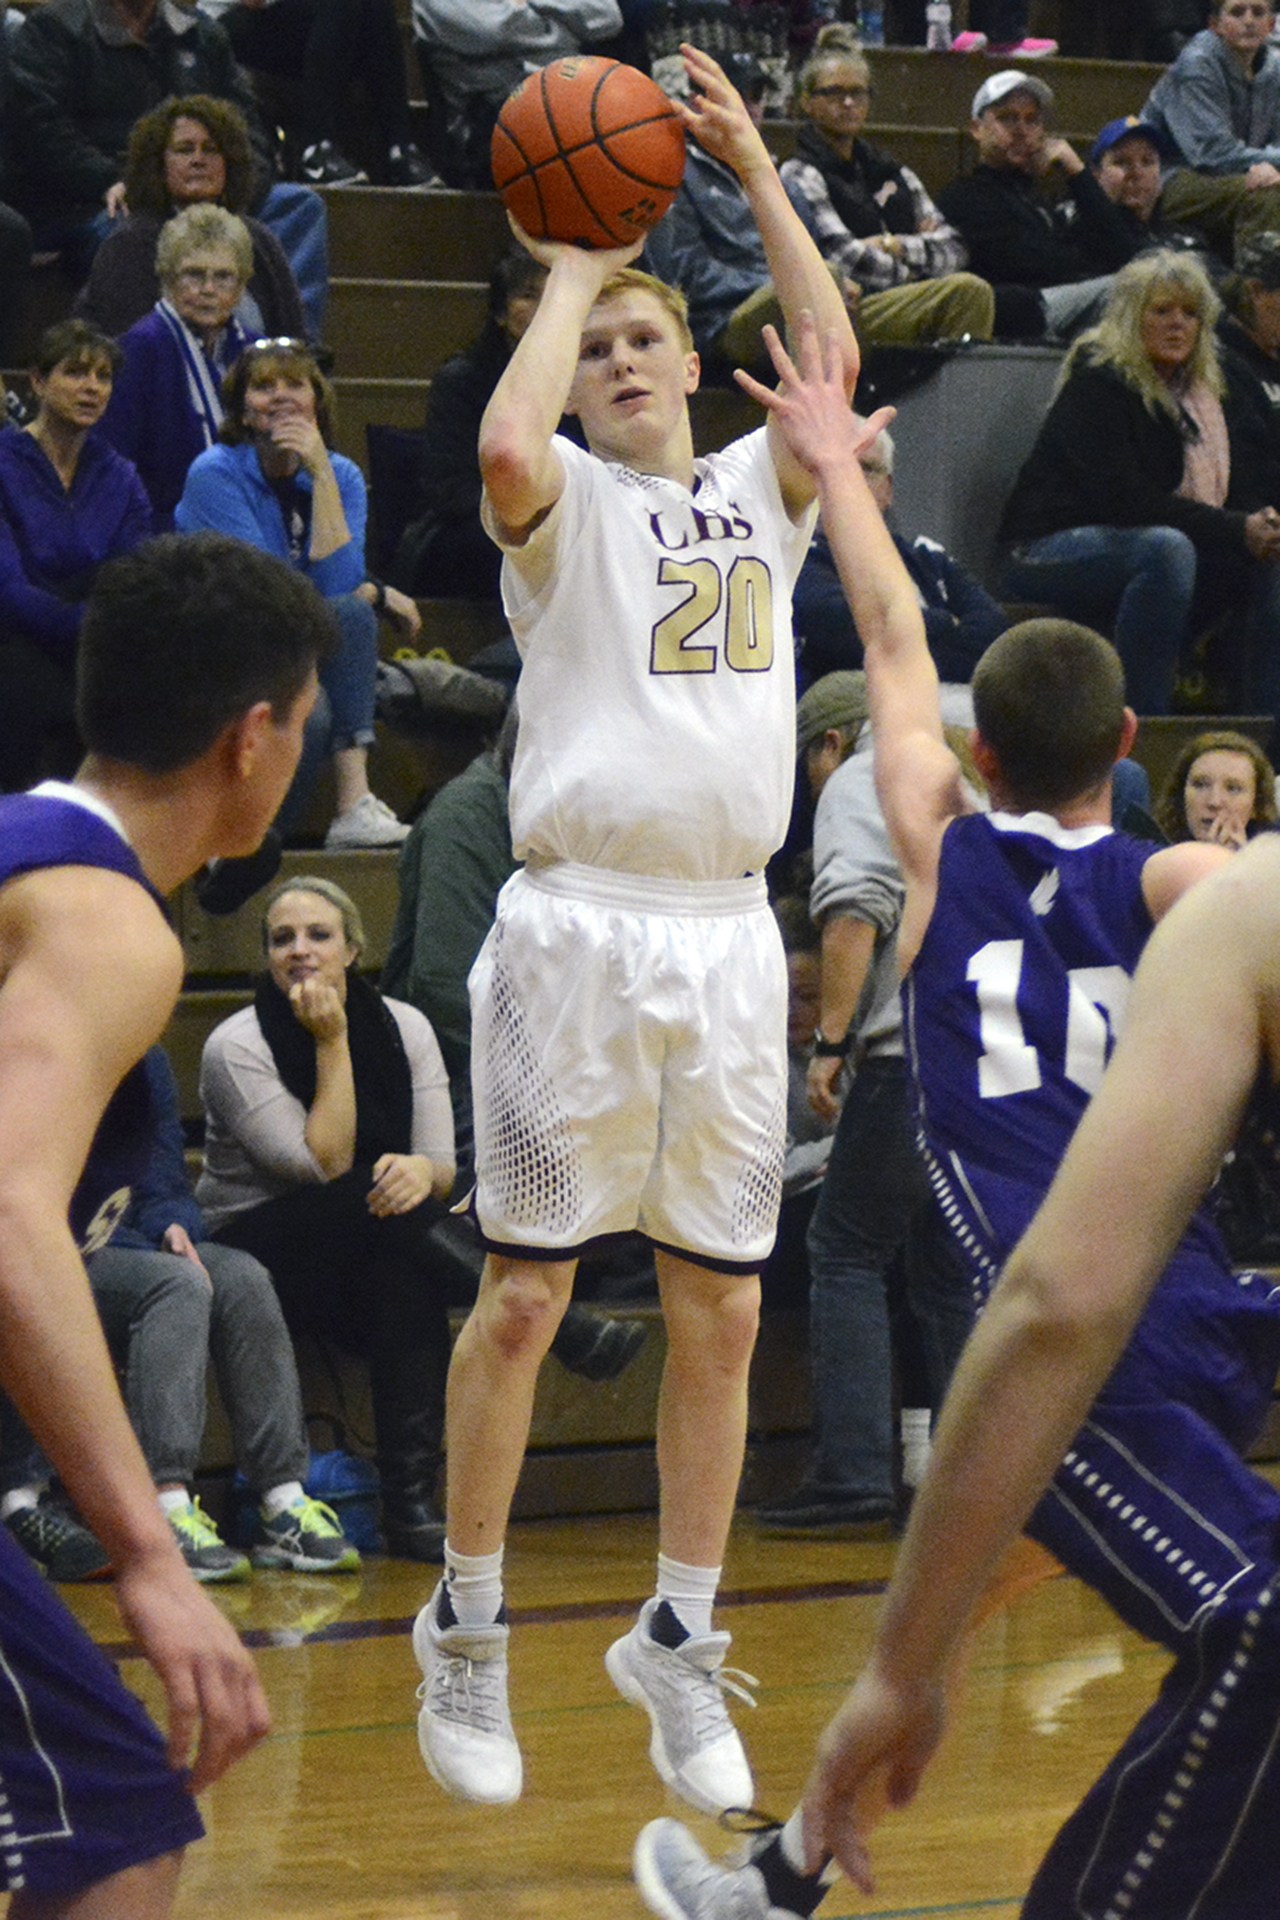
{"x":68,"y":502}
{"x":872,"y":218}
{"x":473,"y":56}
{"x":1252,"y":326}
{"x":1221,"y":788}
{"x":171,"y":1301}
{"x":1036,"y":223}
{"x":1149,"y":499}
{"x":192,"y":151}
{"x":167,"y":405}
{"x":328,"y":1156}
{"x":325,"y":45}
{"x":84,"y":71}
{"x":273,"y":483}
{"x":444,"y":549}
{"x":1127,"y":160}
{"x":708,"y":245}
{"x":1219,"y":108}
{"x":960,"y":617}
{"x":15,"y":234}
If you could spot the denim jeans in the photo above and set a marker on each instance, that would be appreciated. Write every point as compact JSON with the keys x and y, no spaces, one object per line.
{"x":874,"y":1193}
{"x":349,"y":677}
{"x":165,"y":1322}
{"x":1140,"y":580}
{"x":296,"y":215}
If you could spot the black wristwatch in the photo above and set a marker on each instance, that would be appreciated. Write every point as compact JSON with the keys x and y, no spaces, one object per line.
{"x":379,"y":595}
{"x":824,"y":1049}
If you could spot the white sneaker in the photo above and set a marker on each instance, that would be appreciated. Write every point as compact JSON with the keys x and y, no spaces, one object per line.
{"x":677,"y":1881}
{"x":695,"y":1746}
{"x":465,"y":1734}
{"x":370,"y":823}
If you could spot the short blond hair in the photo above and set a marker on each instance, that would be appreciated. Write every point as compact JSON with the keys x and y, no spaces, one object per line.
{"x":669,"y":298}
{"x":202,"y":229}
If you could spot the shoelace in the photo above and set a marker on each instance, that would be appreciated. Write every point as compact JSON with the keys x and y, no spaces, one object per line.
{"x":197,"y":1525}
{"x":312,"y":1516}
{"x":467,"y":1690}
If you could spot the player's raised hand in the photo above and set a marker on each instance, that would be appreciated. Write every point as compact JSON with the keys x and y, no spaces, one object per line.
{"x":215,"y":1698}
{"x":869,"y":1759}
{"x":809,"y":404}
{"x":717,"y":117}
{"x":597,"y":261}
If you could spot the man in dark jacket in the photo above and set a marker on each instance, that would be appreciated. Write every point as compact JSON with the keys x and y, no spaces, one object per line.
{"x":1032,"y":215}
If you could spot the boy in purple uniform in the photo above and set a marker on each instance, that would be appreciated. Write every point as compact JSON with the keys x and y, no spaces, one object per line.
{"x":196,"y":674}
{"x":1020,"y":932}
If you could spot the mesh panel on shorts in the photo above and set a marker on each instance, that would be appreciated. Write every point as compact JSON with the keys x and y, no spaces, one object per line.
{"x":530,"y":1168}
{"x":759,"y":1192}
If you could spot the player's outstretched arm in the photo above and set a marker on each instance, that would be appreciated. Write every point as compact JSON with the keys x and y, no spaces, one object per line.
{"x":78,"y":1006}
{"x":1202,"y":1015}
{"x":916,"y":775}
{"x":522,"y":473}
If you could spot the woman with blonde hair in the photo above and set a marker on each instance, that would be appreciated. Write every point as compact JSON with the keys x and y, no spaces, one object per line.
{"x":1148,"y":505}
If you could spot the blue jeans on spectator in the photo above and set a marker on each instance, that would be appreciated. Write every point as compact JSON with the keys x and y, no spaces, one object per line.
{"x":874,"y":1193}
{"x":343,"y":712}
{"x":1139,"y":580}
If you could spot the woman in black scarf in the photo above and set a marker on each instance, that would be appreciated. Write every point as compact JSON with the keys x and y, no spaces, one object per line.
{"x":329,"y":1153}
{"x":873,"y":220}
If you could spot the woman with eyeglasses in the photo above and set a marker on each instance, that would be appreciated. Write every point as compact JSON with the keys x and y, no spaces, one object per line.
{"x":167,"y":403}
{"x":877,"y":227}
{"x":68,"y":503}
{"x":189,"y":151}
{"x":273,"y":482}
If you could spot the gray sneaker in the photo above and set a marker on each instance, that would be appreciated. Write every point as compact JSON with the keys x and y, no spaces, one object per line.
{"x":203,"y":1549}
{"x":678,"y":1882}
{"x":695,"y":1746}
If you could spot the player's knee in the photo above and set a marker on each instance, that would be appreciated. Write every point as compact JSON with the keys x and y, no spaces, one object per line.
{"x":714,"y":1330}
{"x":521,"y":1306}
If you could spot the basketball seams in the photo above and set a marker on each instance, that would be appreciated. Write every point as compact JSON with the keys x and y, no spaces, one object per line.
{"x":600,"y":184}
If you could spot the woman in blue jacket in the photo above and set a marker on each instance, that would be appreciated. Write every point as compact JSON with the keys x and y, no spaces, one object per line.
{"x":273,"y":483}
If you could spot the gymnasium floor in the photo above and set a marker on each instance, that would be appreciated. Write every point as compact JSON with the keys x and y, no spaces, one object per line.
{"x":334,"y":1817}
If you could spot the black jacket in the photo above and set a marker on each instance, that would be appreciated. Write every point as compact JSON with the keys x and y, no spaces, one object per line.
{"x":1017,"y":238}
{"x":1102,"y":459}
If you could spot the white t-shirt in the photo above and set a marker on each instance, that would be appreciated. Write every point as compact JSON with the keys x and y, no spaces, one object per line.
{"x":657,"y":693}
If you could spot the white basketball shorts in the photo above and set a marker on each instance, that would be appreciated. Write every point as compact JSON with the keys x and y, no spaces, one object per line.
{"x":629,"y":1066}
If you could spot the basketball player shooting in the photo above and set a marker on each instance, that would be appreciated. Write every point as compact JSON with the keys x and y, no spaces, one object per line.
{"x":629,"y":1006}
{"x":1132,"y":1400}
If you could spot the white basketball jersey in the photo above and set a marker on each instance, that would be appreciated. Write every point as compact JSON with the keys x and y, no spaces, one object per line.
{"x":657,"y":692}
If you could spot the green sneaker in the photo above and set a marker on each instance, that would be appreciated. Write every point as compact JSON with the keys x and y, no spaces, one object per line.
{"x":202,"y":1547}
{"x":305,"y":1538}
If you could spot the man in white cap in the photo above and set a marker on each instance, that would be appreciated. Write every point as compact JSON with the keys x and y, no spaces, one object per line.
{"x":1035,"y":221}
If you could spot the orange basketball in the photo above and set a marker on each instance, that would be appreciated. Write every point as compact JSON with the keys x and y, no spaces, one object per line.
{"x":588,"y":151}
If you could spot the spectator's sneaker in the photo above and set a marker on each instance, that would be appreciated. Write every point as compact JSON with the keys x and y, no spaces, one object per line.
{"x":61,"y":1546}
{"x":324,"y":165}
{"x":370,"y":823}
{"x":969,"y":43}
{"x":203,"y":1548}
{"x":1026,"y":50}
{"x":464,"y":1724}
{"x":695,"y":1746}
{"x":833,"y":1515}
{"x":678,"y":1882}
{"x":408,"y":167}
{"x":597,"y":1346}
{"x":305,"y":1538}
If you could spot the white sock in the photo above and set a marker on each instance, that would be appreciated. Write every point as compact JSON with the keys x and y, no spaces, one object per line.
{"x":473,"y":1582}
{"x":19,"y":1500}
{"x":791,"y":1840}
{"x":690,"y":1592}
{"x":279,"y":1499}
{"x":174,"y":1500}
{"x":916,"y":1428}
